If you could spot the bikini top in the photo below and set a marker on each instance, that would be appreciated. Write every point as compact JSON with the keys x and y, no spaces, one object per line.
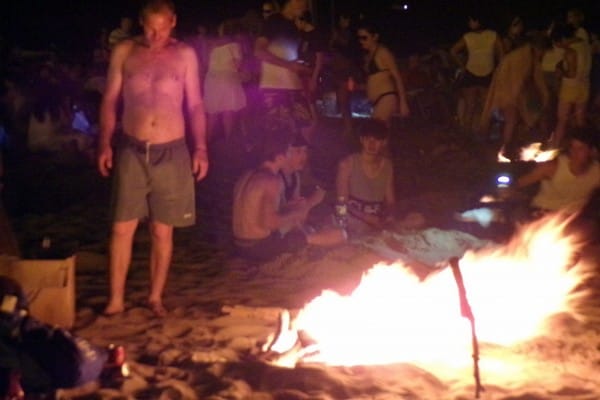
{"x":372,"y":67}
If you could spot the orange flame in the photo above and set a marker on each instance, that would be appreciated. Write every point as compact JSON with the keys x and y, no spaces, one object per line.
{"x":531,"y":152}
{"x":534,"y":152}
{"x":501,"y":158}
{"x":394,"y":317}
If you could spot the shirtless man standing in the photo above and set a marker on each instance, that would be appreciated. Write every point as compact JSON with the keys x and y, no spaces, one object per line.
{"x":153,"y":172}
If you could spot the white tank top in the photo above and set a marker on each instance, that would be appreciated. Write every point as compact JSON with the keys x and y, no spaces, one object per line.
{"x":480,"y":46}
{"x":565,"y":190}
{"x":225,"y":58}
{"x":584,"y":64}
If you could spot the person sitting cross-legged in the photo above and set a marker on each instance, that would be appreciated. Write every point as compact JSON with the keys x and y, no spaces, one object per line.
{"x":291,"y":172}
{"x":366,"y":180}
{"x":262,"y":228}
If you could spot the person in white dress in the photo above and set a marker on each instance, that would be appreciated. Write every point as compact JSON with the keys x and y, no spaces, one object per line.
{"x":224,"y":95}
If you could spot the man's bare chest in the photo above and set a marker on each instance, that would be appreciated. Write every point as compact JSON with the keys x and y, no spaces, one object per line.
{"x":144,"y":71}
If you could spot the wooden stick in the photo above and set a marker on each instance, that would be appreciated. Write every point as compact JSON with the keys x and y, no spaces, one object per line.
{"x":465,"y":311}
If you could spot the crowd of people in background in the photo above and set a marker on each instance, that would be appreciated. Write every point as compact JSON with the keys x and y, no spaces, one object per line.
{"x":274,"y":73}
{"x":148,"y":109}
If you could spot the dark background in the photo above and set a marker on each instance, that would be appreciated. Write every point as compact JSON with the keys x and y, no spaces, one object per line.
{"x":72,"y":26}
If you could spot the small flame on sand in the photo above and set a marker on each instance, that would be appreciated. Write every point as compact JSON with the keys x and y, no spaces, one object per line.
{"x":534,"y":152}
{"x":393,"y":317}
{"x":531,"y":152}
{"x":501,"y":157}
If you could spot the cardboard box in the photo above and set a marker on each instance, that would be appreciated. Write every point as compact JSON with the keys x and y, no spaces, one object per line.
{"x":49,"y":286}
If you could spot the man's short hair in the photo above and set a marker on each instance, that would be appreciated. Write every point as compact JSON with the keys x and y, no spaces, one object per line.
{"x":587,"y":135}
{"x":275,"y":143}
{"x":373,"y":128}
{"x":157,"y":6}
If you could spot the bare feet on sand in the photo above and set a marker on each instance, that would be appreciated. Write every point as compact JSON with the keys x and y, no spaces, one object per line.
{"x":157,"y":308}
{"x":113,"y":309}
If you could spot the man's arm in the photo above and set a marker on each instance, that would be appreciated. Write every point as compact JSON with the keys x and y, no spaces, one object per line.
{"x":569,"y":65}
{"x":456,"y":50}
{"x":195,"y":110}
{"x":273,"y":218}
{"x":262,"y":53}
{"x":108,"y":107}
{"x":541,"y":171}
{"x":540,"y":82}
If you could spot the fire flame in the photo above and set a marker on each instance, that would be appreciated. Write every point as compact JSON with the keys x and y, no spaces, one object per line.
{"x":393,"y":316}
{"x":501,"y":158}
{"x":531,"y":152}
{"x":534,"y":152}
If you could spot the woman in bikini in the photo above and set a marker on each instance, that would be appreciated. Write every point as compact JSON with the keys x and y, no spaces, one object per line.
{"x":385,"y":89}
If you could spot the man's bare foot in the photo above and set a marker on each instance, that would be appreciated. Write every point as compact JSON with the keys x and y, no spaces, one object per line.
{"x":113,"y":309}
{"x":157,"y":308}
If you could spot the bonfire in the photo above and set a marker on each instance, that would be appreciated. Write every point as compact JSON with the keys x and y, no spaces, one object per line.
{"x":393,"y":316}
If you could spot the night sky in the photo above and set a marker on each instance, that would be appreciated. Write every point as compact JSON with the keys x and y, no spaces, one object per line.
{"x":71,"y":25}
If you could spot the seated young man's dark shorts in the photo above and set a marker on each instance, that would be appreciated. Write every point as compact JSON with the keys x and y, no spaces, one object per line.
{"x":270,"y":247}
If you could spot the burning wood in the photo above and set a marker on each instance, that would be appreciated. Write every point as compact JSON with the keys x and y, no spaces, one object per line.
{"x":465,"y":310}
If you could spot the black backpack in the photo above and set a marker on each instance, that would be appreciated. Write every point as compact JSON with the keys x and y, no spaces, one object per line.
{"x":47,"y":355}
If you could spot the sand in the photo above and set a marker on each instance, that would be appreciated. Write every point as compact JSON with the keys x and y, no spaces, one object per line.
{"x":222,"y":309}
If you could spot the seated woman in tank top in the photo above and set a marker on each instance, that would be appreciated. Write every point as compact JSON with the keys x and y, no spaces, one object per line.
{"x":384,"y":86}
{"x":366,"y":179}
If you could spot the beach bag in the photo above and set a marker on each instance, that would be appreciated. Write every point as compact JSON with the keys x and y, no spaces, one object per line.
{"x":68,"y":360}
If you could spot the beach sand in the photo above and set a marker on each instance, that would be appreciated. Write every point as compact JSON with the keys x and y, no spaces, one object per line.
{"x":222,"y":309}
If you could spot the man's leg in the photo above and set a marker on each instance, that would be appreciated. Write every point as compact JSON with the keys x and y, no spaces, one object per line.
{"x":470,"y":98}
{"x":120,"y":257}
{"x":564,"y":110}
{"x":510,"y":122}
{"x":580,"y":114}
{"x":160,"y":260}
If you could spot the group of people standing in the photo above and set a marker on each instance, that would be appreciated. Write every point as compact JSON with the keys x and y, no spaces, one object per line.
{"x":539,"y":79}
{"x":160,"y":81}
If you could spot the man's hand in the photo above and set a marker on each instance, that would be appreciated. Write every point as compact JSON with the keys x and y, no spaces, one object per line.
{"x":105,"y":161}
{"x":199,"y":164}
{"x":317,"y":196}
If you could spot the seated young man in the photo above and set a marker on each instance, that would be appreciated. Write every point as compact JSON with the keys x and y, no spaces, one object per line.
{"x":366,"y":179}
{"x":259,"y":220}
{"x":567,"y":182}
{"x":290,"y":175}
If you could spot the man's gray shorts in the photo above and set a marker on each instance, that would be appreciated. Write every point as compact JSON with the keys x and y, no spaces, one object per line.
{"x":153,"y":180}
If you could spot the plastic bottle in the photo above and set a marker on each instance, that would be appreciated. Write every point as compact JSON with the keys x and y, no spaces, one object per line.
{"x":341,"y":212}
